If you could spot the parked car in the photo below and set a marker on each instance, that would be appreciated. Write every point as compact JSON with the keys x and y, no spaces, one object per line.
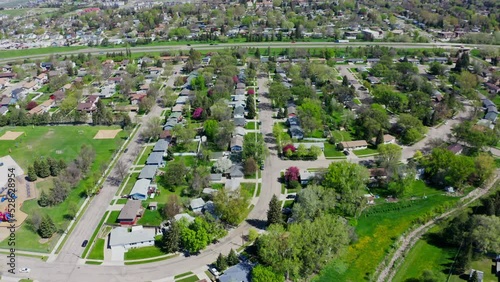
{"x":24,"y":270}
{"x":214,"y":272}
{"x":84,"y":244}
{"x":126,"y":150}
{"x":346,"y":153}
{"x":291,"y":196}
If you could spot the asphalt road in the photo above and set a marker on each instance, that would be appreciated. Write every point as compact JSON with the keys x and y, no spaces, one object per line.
{"x":147,"y":49}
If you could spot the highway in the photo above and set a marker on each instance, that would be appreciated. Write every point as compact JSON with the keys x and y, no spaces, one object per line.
{"x":147,"y":49}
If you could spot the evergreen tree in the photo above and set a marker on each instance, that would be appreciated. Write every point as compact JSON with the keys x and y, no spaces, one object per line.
{"x":257,"y":53}
{"x":47,"y":227}
{"x":37,"y":167}
{"x":274,"y":211}
{"x":53,"y":166}
{"x":221,"y":262}
{"x":171,"y":238}
{"x":32,"y":174}
{"x":43,"y":200}
{"x":232,"y":258}
{"x":464,"y":259}
{"x":380,"y":138}
{"x":251,"y":107}
{"x":62,"y":164}
{"x":345,"y":81}
{"x":44,"y":169}
{"x":474,"y":278}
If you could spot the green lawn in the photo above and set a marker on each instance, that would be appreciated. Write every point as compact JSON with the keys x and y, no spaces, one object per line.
{"x":143,"y":253}
{"x":259,"y":187}
{"x":21,"y":12}
{"x":193,"y":278}
{"x":150,"y":260}
{"x":377,"y":231}
{"x":121,"y":201}
{"x":332,"y":152}
{"x":341,"y":136}
{"x":248,"y":188}
{"x":93,"y":262}
{"x":251,"y":125}
{"x":130,"y":184}
{"x":288,"y":204}
{"x":96,"y":231}
{"x":357,"y":101}
{"x":142,"y":160}
{"x":113,"y":217}
{"x":98,"y":250}
{"x":365,"y":152}
{"x":315,"y":134}
{"x":153,"y":218}
{"x":60,"y":142}
{"x":39,"y":51}
{"x":183,"y":274}
{"x":189,"y":161}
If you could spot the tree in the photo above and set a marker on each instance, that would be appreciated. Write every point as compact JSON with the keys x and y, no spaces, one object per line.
{"x":474,"y":277}
{"x":232,"y":258}
{"x":402,"y":184}
{"x":292,"y":174}
{"x":72,"y":210}
{"x":231,"y":205}
{"x":53,"y":166}
{"x":44,"y":169}
{"x":310,"y":115}
{"x":250,"y":166}
{"x":224,"y":134}
{"x":211,"y":127}
{"x":85,"y":158}
{"x":171,"y":238}
{"x":349,"y":182}
{"x":121,"y":168}
{"x":251,"y":107}
{"x":255,"y":147}
{"x":199,"y":179}
{"x":175,"y":175}
{"x":47,"y":227}
{"x":313,"y":202}
{"x":145,"y":104}
{"x":32,"y":174}
{"x":252,"y":235}
{"x":380,"y":138}
{"x":274,"y":212}
{"x":279,"y":94}
{"x":152,"y":129}
{"x":172,"y":207}
{"x":389,"y":156}
{"x":221,"y":262}
{"x":183,"y":134}
{"x":43,"y":200}
{"x":220,"y":111}
{"x":485,"y":233}
{"x":262,"y":273}
{"x":222,"y":164}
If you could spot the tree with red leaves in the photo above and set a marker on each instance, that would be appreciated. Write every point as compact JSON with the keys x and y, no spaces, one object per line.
{"x":235,"y":79}
{"x":292,"y":174}
{"x":290,"y":148}
{"x":31,"y":105}
{"x":251,"y":91}
{"x":210,"y":92}
{"x":197,"y":113}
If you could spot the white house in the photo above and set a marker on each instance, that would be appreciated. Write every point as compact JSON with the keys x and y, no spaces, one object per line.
{"x":355,"y":145}
{"x":197,"y":205}
{"x":122,"y":238}
{"x":140,"y":189}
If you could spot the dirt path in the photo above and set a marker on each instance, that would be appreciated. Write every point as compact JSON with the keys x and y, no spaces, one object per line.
{"x":408,"y":241}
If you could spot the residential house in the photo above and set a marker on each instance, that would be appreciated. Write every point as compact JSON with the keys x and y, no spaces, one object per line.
{"x":185,"y":92}
{"x":373,"y":80}
{"x":4,"y":110}
{"x":239,"y":131}
{"x":236,"y":144}
{"x":292,"y":111}
{"x":196,"y":205}
{"x":239,"y":92}
{"x":388,"y":139}
{"x":148,"y":172}
{"x":456,"y":148}
{"x":356,"y":61}
{"x":240,"y":122}
{"x":4,"y":82}
{"x":480,"y":275}
{"x":166,"y":134}
{"x":153,"y":206}
{"x":293,"y":120}
{"x":42,"y":108}
{"x":377,"y":173}
{"x":46,"y":65}
{"x":136,"y":98}
{"x":240,"y":272}
{"x":215,"y":177}
{"x":184,"y":216}
{"x":58,"y":96}
{"x":9,"y":75}
{"x":355,"y":145}
{"x":235,"y":171}
{"x":309,"y":145}
{"x":18,"y":94}
{"x":491,"y":116}
{"x":178,"y":108}
{"x":161,"y":146}
{"x":89,"y":105}
{"x":156,"y":158}
{"x":115,"y":80}
{"x":492,"y":88}
{"x":140,"y":189}
{"x":5,"y":101}
{"x":232,"y":184}
{"x":130,"y":212}
{"x":182,"y":100}
{"x":296,"y":132}
{"x":240,"y":85}
{"x":31,"y":86}
{"x":122,"y":238}
{"x":306,"y":176}
{"x":239,"y":112}
{"x":107,"y":91}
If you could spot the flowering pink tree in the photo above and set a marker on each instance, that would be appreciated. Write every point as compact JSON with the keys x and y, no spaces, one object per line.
{"x":251,"y":91}
{"x":288,"y":149}
{"x":235,"y":79}
{"x":292,"y":174}
{"x":197,"y":113}
{"x":210,"y":92}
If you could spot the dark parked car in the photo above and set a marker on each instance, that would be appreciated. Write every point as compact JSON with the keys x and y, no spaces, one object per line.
{"x":84,"y":244}
{"x":293,"y":196}
{"x":126,"y":150}
{"x":346,"y":153}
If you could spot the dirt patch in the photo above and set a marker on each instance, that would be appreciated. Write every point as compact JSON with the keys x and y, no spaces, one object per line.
{"x":11,"y":135}
{"x":107,"y":134}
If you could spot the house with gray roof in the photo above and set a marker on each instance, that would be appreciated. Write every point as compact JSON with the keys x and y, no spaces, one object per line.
{"x":3,"y":110}
{"x":492,"y":116}
{"x":129,"y":213}
{"x":240,"y":86}
{"x":239,"y":112}
{"x":161,"y":147}
{"x":238,"y":130}
{"x":237,"y":273}
{"x":148,"y":172}
{"x":196,"y":205}
{"x":232,"y":184}
{"x":240,"y":122}
{"x":140,"y":189}
{"x":237,"y":144}
{"x":235,"y":171}
{"x":138,"y":237}
{"x":215,"y":177}
{"x":156,"y":158}
{"x":296,"y":132}
{"x":181,"y":216}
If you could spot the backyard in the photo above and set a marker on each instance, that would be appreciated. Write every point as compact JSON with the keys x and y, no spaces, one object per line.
{"x":332,"y":152}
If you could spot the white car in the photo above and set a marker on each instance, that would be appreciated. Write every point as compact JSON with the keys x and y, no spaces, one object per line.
{"x":214,"y":272}
{"x":24,"y":270}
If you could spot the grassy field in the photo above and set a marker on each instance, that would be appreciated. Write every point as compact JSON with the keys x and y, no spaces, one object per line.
{"x":130,"y":184}
{"x":22,"y":12}
{"x":49,"y":140}
{"x":184,"y":274}
{"x":365,"y":152}
{"x":341,"y":136}
{"x":152,"y":218}
{"x":143,"y":253}
{"x":142,"y":160}
{"x":38,"y":51}
{"x":98,"y":250}
{"x":377,"y":232}
{"x":113,"y":217}
{"x":251,"y":125}
{"x":248,"y":188}
{"x":332,"y":152}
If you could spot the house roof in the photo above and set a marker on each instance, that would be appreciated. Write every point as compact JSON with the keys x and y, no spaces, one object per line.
{"x":130,"y":210}
{"x":209,"y":191}
{"x":148,"y":172}
{"x":239,"y":92}
{"x":291,"y":110}
{"x":237,"y":141}
{"x":240,"y":86}
{"x":239,"y":110}
{"x":3,"y":110}
{"x":215,"y":177}
{"x":197,"y":203}
{"x":455,"y":148}
{"x":161,"y":146}
{"x":178,"y":108}
{"x":239,"y":121}
{"x":141,"y":187}
{"x":235,"y":170}
{"x":155,"y":158}
{"x":165,"y":134}
{"x":239,"y":131}
{"x":232,"y":184}
{"x":488,"y":102}
{"x":179,"y":217}
{"x":240,"y":272}
{"x":121,"y":236}
{"x":153,"y":204}
{"x":354,"y":144}
{"x":491,"y":116}
{"x":296,"y":130}
{"x":387,"y":138}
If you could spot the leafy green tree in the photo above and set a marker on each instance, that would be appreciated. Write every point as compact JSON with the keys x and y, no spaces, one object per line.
{"x":310,"y":115}
{"x":44,"y":169}
{"x":262,"y":273}
{"x":389,"y":155}
{"x":401,"y":184}
{"x":231,"y":206}
{"x":32,"y":174}
{"x":349,"y":182}
{"x":171,"y":238}
{"x":211,"y":127}
{"x":251,"y":107}
{"x":47,"y":227}
{"x":53,"y":166}
{"x":232,"y":258}
{"x":175,"y":175}
{"x":380,"y":138}
{"x":255,"y":147}
{"x":221,"y":262}
{"x":313,"y":202}
{"x":485,"y":233}
{"x":279,"y":94}
{"x":274,"y":211}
